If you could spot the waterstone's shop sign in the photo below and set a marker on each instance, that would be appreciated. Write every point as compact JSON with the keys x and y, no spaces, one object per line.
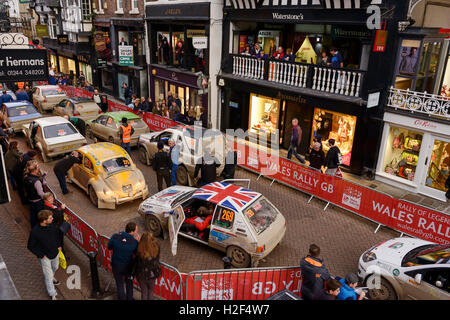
{"x":19,"y":65}
{"x":281,"y":16}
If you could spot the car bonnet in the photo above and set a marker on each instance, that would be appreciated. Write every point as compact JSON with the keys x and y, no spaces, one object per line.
{"x":393,"y":251}
{"x":164,"y":199}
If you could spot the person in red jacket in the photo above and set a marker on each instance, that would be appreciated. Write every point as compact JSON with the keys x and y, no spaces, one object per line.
{"x":201,"y":221}
{"x":279,"y":54}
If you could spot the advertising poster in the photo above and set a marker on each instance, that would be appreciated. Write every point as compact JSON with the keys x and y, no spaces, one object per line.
{"x":18,"y":65}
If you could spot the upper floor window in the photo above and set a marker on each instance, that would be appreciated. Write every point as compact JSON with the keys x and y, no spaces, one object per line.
{"x":134,"y":7}
{"x":119,"y":6}
{"x":53,"y":27}
{"x":86,"y":9}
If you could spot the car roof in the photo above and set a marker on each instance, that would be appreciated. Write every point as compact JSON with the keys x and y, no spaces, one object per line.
{"x":103,"y":150}
{"x":118,"y":115}
{"x":80,"y":99}
{"x":226,"y":195}
{"x":18,"y":104}
{"x":48,"y":121}
{"x":50,"y":86}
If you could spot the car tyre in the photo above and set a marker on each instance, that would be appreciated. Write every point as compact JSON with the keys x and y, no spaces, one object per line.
{"x":239,"y":257}
{"x":111,"y":139}
{"x":143,"y":156}
{"x":182,"y":176}
{"x":93,"y":196}
{"x":153,"y":225}
{"x":386,"y":292}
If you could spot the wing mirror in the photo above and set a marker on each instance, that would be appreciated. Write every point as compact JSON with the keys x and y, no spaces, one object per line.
{"x":418,"y":278}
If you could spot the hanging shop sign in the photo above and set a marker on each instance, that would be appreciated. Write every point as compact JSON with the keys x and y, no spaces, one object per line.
{"x":99,"y":40}
{"x":63,"y":39}
{"x":191,"y":33}
{"x":342,"y":32}
{"x":126,"y":55}
{"x":380,"y":41}
{"x":200,"y":42}
{"x":23,"y":65}
{"x":41,"y":30}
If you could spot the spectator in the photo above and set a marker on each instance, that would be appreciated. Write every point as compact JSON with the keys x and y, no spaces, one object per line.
{"x":125,"y":133}
{"x":162,"y":164}
{"x":29,"y":93}
{"x":123,"y":42}
{"x":78,"y":123}
{"x":44,"y":243}
{"x":230,"y":161}
{"x":177,"y":116}
{"x":30,"y":155}
{"x":149,"y":105}
{"x":148,"y":268}
{"x":123,"y":246}
{"x":314,"y":273}
{"x":169,"y":98}
{"x":51,"y":72}
{"x":316,"y":156}
{"x":332,"y":160}
{"x":190,"y":119}
{"x":336,"y":60}
{"x":289,"y":57}
{"x":96,"y":97}
{"x":330,"y":292}
{"x":52,"y":80}
{"x":6,"y":97}
{"x":63,"y":166}
{"x":296,"y":139}
{"x":347,"y":290}
{"x":173,"y":109}
{"x":262,"y":55}
{"x":247,"y":51}
{"x":174,"y":153}
{"x":257,"y":49}
{"x":279,"y":54}
{"x":177,"y":100}
{"x":81,"y":79}
{"x":104,"y":103}
{"x":34,"y":187}
{"x":179,"y":52}
{"x":89,"y":87}
{"x":21,"y":95}
{"x":58,"y":217}
{"x":165,"y":111}
{"x":207,"y":166}
{"x":12,"y":160}
{"x":323,"y":59}
{"x":137,"y":106}
{"x":127,"y":93}
{"x":157,"y":109}
{"x":65,"y":81}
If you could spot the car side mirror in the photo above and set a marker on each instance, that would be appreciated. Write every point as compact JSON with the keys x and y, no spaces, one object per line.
{"x":418,"y":278}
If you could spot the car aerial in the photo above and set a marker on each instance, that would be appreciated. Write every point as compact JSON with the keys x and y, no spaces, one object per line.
{"x":106,"y":126}
{"x":47,"y":97}
{"x":108,"y":175}
{"x":244,"y":223}
{"x":80,"y":107}
{"x":53,"y":136}
{"x":191,"y":148}
{"x":408,"y":268}
{"x":20,"y":113}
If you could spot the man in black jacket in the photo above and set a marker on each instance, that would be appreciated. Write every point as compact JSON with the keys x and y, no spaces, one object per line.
{"x":207,"y":166}
{"x":332,"y":159}
{"x":45,"y":244}
{"x":230,"y":162}
{"x":314,"y":273}
{"x":64,"y":165}
{"x":162,"y":163}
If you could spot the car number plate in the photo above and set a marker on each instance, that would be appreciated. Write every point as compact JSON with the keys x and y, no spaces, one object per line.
{"x":67,"y":147}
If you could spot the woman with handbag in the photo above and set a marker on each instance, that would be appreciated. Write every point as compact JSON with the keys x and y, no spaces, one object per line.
{"x":147,"y":267}
{"x":60,"y":220}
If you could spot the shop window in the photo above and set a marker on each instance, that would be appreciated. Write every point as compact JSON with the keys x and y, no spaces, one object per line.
{"x":177,"y":43}
{"x":438,"y":170}
{"x":445,"y":89}
{"x":264,"y":114}
{"x":402,"y":152}
{"x":338,"y":126}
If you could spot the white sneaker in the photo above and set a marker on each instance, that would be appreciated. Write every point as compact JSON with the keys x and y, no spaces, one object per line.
{"x":54,"y":298}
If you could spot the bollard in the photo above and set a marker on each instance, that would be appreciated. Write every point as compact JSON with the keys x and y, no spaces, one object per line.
{"x":226,"y":262}
{"x":96,"y":292}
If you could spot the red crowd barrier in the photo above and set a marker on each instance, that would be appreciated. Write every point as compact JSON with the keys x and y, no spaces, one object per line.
{"x":242,"y":284}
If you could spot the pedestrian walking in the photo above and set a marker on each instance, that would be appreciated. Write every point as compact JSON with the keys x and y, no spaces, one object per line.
{"x":34,"y":188}
{"x":162,"y":163}
{"x":314,"y":273}
{"x":333,"y":158}
{"x":60,"y":220}
{"x":207,"y":166}
{"x":125,"y":133}
{"x":123,"y":246}
{"x":296,"y":138}
{"x":147,"y":268}
{"x":174,"y":153}
{"x":44,"y":243}
{"x":316,"y":156}
{"x":330,"y":292}
{"x":12,"y":160}
{"x":347,"y":290}
{"x":63,"y":166}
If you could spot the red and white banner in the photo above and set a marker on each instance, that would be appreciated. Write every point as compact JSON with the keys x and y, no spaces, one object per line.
{"x":81,"y":233}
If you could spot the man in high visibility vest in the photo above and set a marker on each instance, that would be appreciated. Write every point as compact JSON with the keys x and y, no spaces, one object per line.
{"x":125,"y":133}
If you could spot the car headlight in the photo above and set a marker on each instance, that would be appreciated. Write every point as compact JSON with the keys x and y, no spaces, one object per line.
{"x":108,"y":193}
{"x":369,"y":256}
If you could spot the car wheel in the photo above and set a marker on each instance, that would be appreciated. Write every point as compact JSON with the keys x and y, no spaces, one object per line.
{"x":239,"y":258}
{"x":386,"y":292}
{"x":143,"y":155}
{"x":93,"y":196}
{"x":182,"y":176}
{"x":153,"y":225}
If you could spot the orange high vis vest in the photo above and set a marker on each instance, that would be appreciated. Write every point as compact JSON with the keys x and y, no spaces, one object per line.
{"x":126,"y":134}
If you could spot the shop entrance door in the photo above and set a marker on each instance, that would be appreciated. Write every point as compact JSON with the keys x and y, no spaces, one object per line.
{"x":437,"y":164}
{"x":180,"y":90}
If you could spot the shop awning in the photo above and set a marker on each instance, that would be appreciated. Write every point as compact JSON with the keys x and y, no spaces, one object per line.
{"x":319,"y":4}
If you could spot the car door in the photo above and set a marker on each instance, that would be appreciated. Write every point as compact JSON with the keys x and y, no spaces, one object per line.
{"x":99,"y":127}
{"x":85,"y":172}
{"x":37,"y":97}
{"x":434,"y":283}
{"x":59,"y":109}
{"x":110,"y":128}
{"x":176,"y":219}
{"x":221,"y":231}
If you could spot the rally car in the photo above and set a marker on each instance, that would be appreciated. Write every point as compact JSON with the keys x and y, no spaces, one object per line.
{"x":406,"y":268}
{"x":83,"y":108}
{"x":191,"y":148}
{"x":47,"y":96}
{"x":238,"y":221}
{"x":107,"y":173}
{"x":20,"y":113}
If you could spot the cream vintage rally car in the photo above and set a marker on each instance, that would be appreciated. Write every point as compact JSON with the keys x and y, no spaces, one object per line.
{"x":108,"y":175}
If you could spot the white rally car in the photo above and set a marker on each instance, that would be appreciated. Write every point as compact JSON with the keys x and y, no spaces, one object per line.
{"x":408,"y":268}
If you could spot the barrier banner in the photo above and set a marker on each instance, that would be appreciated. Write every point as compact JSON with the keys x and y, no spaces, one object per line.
{"x":106,"y":253}
{"x":157,"y":123}
{"x":81,"y":233}
{"x":252,"y":284}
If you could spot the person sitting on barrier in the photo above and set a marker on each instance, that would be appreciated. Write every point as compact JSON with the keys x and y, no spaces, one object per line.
{"x":330,"y":292}
{"x":58,"y":216}
{"x":200,"y":222}
{"x":347,"y":291}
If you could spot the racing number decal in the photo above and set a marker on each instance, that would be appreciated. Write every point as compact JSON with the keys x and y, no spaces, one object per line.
{"x":227,"y":215}
{"x":225,"y":218}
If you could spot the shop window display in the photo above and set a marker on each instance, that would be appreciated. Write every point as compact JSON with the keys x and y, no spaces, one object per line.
{"x":402,"y":153}
{"x":337,"y":126}
{"x":438,"y":171}
{"x":264,"y":114}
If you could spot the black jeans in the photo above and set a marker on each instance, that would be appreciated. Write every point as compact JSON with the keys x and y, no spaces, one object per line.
{"x":62,"y":181}
{"x":122,"y":276}
{"x":146,"y":288}
{"x":160,"y":177}
{"x":35,"y":207}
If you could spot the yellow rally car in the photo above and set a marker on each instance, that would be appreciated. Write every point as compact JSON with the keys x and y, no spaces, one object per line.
{"x":108,"y":175}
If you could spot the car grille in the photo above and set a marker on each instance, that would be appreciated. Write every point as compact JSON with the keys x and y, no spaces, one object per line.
{"x":127,"y":188}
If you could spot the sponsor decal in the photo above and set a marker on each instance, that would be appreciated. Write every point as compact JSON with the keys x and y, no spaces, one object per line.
{"x":396,"y":272}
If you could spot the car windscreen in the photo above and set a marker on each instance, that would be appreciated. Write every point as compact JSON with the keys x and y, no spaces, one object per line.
{"x":433,"y":255}
{"x":21,"y":111}
{"x":137,"y":123}
{"x":116,"y":164}
{"x":261,"y":214}
{"x":52,"y":91}
{"x":59,"y":130}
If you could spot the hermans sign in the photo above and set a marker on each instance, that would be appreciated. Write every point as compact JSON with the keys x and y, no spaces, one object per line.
{"x":23,"y":65}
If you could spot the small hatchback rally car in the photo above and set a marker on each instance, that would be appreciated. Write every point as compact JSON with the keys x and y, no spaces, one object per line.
{"x":232,"y":219}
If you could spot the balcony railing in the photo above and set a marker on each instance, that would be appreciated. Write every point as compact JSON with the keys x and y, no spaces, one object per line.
{"x":421,"y":102}
{"x":338,"y":81}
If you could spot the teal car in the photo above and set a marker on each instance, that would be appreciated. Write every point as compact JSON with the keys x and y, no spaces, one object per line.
{"x":106,"y":126}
